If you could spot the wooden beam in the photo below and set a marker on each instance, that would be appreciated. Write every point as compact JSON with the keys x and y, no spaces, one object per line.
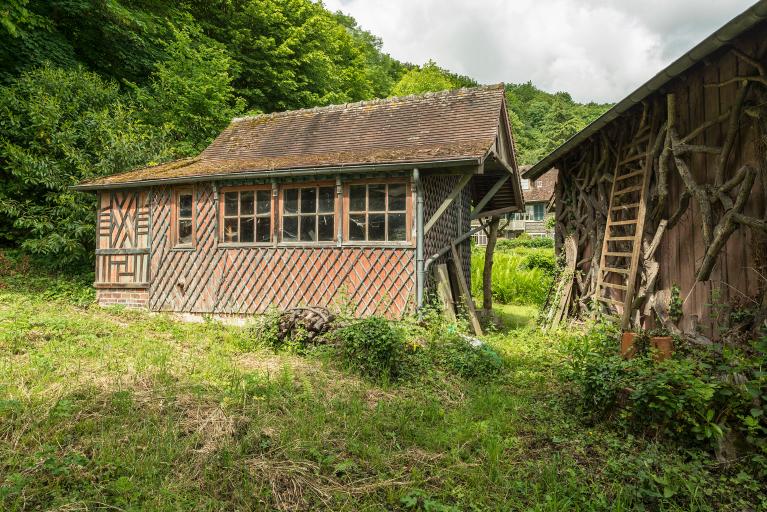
{"x":447,"y":202}
{"x":495,"y":213}
{"x":140,"y":250}
{"x":465,"y":291}
{"x":138,"y":286}
{"x":490,"y":193}
{"x":443,"y":290}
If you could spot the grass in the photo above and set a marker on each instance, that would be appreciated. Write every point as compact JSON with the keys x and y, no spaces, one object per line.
{"x":517,"y":278}
{"x":123,"y":410}
{"x":513,"y":316}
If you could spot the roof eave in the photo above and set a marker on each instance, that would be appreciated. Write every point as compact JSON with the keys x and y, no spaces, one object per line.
{"x":722,"y":37}
{"x":282,"y":173}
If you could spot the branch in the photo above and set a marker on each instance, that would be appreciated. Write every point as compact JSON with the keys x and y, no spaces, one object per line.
{"x":684,"y":203}
{"x":726,"y":226}
{"x":732,"y":132}
{"x":683,"y":149}
{"x":698,"y":192}
{"x":743,"y":79}
{"x":750,"y":222}
{"x":757,"y":65}
{"x":705,"y":126}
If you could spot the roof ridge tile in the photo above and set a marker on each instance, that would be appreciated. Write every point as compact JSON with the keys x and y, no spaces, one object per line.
{"x":364,"y":103}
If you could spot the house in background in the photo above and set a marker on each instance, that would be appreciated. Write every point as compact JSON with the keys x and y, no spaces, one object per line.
{"x":661,"y":202}
{"x":538,"y":195}
{"x":347,"y":203}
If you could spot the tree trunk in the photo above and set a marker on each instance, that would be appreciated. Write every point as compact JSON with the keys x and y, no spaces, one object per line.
{"x":487,"y":272}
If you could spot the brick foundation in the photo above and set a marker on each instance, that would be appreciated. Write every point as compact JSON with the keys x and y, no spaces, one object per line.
{"x":128,"y":297}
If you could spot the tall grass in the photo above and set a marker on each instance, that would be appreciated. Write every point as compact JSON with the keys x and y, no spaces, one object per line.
{"x":515,"y":280}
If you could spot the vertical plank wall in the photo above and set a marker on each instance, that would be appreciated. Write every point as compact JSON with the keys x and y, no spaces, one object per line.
{"x":736,"y":278}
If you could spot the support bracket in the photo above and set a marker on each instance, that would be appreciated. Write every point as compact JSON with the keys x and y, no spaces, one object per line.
{"x":447,"y":202}
{"x":490,"y":193}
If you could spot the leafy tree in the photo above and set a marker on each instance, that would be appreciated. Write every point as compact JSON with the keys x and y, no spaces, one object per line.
{"x":190,"y":95}
{"x":429,"y":78}
{"x":119,"y":39}
{"x":294,"y":53}
{"x":542,"y":121}
{"x":15,"y":14}
{"x":58,"y":127}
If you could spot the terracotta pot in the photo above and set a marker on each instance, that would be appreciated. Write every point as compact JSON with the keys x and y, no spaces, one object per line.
{"x":663,"y":347}
{"x":628,"y":349}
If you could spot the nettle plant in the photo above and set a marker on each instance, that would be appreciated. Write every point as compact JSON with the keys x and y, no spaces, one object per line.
{"x":675,"y":304}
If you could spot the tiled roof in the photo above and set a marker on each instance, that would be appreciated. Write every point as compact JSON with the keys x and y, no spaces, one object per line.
{"x":451,"y":125}
{"x":537,"y":194}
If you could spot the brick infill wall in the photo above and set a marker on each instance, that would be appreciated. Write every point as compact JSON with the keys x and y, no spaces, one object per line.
{"x":128,"y":297}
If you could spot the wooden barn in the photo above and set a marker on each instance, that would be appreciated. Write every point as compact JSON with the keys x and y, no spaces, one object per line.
{"x":661,"y":203}
{"x":341,"y":204}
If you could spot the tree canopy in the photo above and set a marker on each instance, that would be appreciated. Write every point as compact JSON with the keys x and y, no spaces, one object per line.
{"x":89,"y":88}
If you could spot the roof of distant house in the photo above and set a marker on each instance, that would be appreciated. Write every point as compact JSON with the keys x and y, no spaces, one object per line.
{"x":445,"y":128}
{"x":536,"y":193}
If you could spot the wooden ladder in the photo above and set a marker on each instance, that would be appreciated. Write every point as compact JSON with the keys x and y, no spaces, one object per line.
{"x":622,"y":242}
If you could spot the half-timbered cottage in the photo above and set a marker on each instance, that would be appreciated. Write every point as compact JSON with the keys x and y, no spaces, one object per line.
{"x":661,"y":203}
{"x":347,"y":203}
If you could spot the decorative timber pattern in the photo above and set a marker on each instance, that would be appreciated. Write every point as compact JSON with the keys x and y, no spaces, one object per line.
{"x":122,"y":245}
{"x":212,"y":279}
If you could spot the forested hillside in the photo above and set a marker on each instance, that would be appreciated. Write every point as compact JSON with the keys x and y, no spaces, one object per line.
{"x":89,"y":88}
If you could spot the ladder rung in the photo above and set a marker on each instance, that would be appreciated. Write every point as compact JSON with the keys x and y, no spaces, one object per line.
{"x":629,"y":175}
{"x":609,"y":301}
{"x":622,"y":222}
{"x":627,"y":190}
{"x":620,"y":238}
{"x":618,"y":254}
{"x":624,"y":206}
{"x":633,"y":158}
{"x":624,"y":271}
{"x":616,"y":286}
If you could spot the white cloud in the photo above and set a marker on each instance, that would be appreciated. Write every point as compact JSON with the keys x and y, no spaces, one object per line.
{"x":596,"y":50}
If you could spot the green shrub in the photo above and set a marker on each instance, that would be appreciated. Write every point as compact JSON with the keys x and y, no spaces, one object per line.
{"x":544,"y":261}
{"x":373,"y":347}
{"x":444,"y":349}
{"x":697,"y":397}
{"x":524,"y":240}
{"x":264,"y":332}
{"x":461,"y":357}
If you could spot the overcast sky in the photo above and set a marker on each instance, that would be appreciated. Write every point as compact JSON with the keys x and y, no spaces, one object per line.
{"x":597,"y":50}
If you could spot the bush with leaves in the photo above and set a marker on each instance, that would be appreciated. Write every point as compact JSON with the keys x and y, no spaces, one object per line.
{"x":264,"y":332}
{"x":58,"y":127}
{"x":698,"y":397}
{"x":524,"y":240}
{"x":372,"y":347}
{"x":466,"y":358}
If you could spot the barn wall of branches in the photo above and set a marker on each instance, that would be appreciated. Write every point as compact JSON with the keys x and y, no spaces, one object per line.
{"x":706,"y":222}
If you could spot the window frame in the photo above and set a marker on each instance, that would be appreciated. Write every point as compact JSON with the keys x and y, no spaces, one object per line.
{"x":222,"y":218}
{"x":409,"y":240}
{"x":175,"y":214}
{"x":280,"y":213}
